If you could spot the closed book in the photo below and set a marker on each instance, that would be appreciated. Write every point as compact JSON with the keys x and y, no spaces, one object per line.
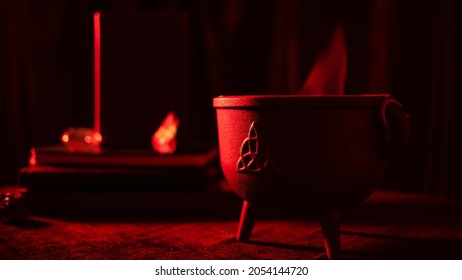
{"x":62,"y":178}
{"x":58,"y":155}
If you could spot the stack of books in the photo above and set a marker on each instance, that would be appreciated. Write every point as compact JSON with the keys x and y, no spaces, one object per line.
{"x":117,"y":180}
{"x":54,"y":167}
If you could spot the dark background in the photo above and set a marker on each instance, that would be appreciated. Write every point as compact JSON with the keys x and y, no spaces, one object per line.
{"x":410,"y":49}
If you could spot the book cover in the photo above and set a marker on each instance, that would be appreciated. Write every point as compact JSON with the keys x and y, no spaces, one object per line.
{"x":58,"y":155}
{"x":108,"y":179}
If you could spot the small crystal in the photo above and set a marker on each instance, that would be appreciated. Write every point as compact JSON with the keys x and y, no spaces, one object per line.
{"x":80,"y":139}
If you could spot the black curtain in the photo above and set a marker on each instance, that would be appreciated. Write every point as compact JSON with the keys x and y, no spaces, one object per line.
{"x":407,"y":48}
{"x":425,"y":70}
{"x":45,"y":61}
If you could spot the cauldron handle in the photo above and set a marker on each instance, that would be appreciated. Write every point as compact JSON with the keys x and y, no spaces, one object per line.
{"x":396,"y":124}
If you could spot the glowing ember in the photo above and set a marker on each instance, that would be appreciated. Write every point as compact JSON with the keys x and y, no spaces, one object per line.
{"x":329,"y":71}
{"x":164,"y":139}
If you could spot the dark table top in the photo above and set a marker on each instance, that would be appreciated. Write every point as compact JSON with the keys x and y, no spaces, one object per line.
{"x":389,"y":225}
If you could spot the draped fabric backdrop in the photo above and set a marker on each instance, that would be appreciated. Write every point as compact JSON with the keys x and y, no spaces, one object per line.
{"x":408,"y":48}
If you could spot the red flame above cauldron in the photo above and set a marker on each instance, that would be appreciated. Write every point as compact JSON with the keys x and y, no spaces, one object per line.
{"x":328,"y":74}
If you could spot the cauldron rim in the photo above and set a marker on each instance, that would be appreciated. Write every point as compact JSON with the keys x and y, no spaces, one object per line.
{"x":291,"y":100}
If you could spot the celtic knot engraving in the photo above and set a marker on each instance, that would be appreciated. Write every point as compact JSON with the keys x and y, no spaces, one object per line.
{"x":254,"y":156}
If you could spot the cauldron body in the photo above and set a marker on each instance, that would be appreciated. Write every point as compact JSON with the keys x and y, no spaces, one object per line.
{"x":306,"y":154}
{"x":302,"y":153}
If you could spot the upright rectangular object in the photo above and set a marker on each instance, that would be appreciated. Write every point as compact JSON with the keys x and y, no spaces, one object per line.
{"x":144,"y":75}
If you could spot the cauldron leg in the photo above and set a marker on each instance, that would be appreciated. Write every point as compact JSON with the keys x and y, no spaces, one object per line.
{"x":331,"y":231}
{"x":246,"y":222}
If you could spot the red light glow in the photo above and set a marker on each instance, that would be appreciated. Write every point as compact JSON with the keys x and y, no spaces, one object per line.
{"x":33,"y":158}
{"x":65,"y":138}
{"x":164,"y":139}
{"x":327,"y":77}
